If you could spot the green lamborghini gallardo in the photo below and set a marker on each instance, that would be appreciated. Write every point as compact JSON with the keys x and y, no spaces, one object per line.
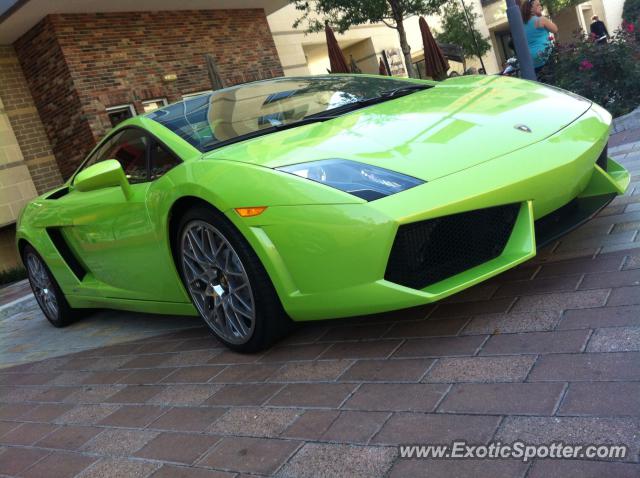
{"x":317,"y":197}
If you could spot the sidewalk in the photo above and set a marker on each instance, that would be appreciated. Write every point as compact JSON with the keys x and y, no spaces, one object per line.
{"x":14,"y":293}
{"x":549,"y":351}
{"x":26,"y":336}
{"x":626,"y":133}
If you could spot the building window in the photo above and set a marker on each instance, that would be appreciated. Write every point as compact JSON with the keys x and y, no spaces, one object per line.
{"x":117,"y":114}
{"x":505,"y":45}
{"x":152,"y":105}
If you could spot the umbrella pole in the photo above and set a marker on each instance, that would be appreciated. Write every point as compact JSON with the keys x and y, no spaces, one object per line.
{"x":520,"y":41}
{"x":473,"y":35}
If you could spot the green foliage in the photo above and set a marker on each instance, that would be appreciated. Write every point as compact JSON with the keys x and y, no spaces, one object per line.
{"x":455,"y":29}
{"x":343,"y":14}
{"x":554,"y":6}
{"x":631,"y":11}
{"x":13,"y":274}
{"x":608,"y":74}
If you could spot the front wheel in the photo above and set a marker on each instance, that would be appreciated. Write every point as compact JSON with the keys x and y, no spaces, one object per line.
{"x":227,"y":282}
{"x":48,"y":294}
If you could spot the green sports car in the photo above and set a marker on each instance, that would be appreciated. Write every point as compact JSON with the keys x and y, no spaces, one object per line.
{"x":317,"y":197}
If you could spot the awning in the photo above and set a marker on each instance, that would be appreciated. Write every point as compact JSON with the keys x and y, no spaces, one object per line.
{"x":24,"y":14}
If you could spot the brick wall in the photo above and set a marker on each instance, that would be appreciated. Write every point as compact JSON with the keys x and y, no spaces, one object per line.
{"x":80,"y":64}
{"x":26,"y":124}
{"x":58,"y":103}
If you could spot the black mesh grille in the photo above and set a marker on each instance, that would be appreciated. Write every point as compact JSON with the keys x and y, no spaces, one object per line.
{"x":427,"y":252}
{"x":602,"y":159}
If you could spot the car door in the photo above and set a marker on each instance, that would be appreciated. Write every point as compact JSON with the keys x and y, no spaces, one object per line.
{"x":147,"y":244}
{"x":113,"y":236}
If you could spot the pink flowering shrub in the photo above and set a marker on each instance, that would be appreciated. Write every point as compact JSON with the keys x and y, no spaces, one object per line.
{"x":631,"y":17}
{"x":585,"y":65}
{"x":607,"y":73}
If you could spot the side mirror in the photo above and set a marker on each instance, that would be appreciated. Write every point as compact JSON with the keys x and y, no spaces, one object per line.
{"x":105,"y":174}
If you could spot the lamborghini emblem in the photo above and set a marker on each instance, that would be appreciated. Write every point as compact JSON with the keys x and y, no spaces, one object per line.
{"x":523,"y":127}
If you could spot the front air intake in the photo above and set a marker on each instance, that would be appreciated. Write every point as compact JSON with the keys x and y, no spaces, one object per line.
{"x":427,"y":252}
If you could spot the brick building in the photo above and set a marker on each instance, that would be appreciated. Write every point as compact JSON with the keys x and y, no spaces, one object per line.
{"x":70,"y":70}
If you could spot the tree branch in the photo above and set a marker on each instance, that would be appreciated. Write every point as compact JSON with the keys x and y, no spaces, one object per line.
{"x":389,"y":25}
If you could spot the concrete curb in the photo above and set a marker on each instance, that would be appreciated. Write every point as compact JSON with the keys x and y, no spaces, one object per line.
{"x":21,"y":304}
{"x":626,"y":122}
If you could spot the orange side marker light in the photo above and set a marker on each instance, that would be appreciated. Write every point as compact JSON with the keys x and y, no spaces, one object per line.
{"x":250,"y":211}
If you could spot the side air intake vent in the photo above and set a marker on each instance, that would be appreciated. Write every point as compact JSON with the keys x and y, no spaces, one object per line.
{"x":65,"y":251}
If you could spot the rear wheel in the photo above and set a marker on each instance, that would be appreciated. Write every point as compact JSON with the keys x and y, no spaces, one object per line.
{"x":48,"y":294}
{"x":227,"y":282}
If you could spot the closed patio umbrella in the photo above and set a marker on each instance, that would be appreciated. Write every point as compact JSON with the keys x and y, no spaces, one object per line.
{"x":336,"y":57}
{"x":436,"y":65}
{"x":382,"y":70}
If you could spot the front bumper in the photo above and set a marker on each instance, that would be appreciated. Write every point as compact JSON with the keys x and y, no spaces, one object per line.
{"x":329,"y":261}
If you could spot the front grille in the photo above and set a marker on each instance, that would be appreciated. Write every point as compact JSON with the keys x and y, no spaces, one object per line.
{"x":427,"y":252}
{"x":602,"y":159}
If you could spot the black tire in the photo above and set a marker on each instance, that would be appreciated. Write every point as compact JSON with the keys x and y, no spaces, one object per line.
{"x":63,"y":315}
{"x":270,"y":321}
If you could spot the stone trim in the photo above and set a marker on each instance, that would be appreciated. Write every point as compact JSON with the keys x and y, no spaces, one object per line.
{"x":299,"y":65}
{"x":14,"y":164}
{"x":21,"y":111}
{"x":40,"y":160}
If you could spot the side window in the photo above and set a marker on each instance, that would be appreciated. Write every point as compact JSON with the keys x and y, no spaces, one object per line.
{"x":129,"y":148}
{"x":98,"y":154}
{"x":161,"y":161}
{"x":131,"y":152}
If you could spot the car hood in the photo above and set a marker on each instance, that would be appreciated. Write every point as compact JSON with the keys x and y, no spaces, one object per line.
{"x":455,"y":125}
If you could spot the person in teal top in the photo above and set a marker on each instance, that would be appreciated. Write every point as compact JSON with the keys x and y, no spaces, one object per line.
{"x":537,"y":28}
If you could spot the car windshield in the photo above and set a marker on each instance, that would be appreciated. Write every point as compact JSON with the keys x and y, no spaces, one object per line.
{"x":212,"y":119}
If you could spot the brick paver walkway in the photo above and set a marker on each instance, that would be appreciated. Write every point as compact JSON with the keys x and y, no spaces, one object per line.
{"x":548,"y":351}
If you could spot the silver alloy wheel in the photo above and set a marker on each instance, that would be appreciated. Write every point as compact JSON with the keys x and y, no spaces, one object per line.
{"x":42,"y":285}
{"x":218,"y":282}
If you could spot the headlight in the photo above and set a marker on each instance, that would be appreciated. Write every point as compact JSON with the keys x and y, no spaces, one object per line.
{"x":361,"y":180}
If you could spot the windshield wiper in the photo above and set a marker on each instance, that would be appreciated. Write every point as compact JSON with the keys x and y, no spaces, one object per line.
{"x":404,"y":90}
